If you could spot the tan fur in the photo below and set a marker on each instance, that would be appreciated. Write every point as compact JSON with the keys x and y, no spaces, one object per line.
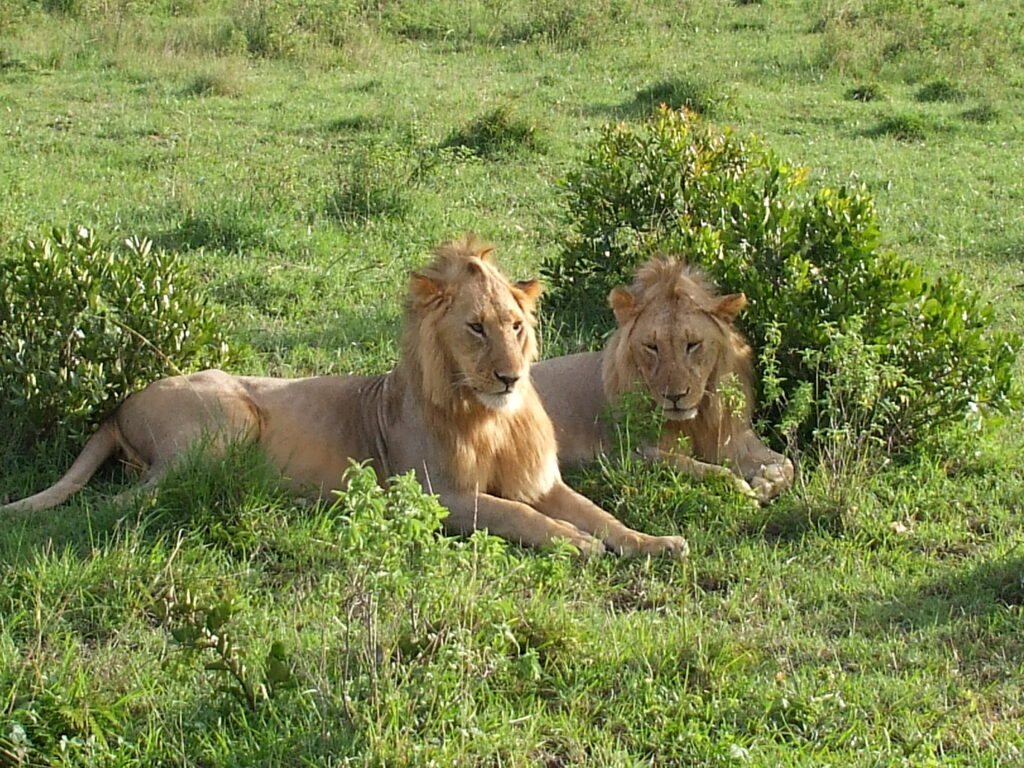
{"x":677,"y":342}
{"x":459,"y":410}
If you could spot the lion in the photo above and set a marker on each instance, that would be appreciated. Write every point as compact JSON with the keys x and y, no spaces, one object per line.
{"x":459,"y":410}
{"x":676,"y":341}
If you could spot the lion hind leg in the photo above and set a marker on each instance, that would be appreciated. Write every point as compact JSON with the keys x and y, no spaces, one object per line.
{"x":101,"y":446}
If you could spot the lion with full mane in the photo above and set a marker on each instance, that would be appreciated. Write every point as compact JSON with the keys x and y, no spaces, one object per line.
{"x":459,"y":410}
{"x":676,"y":342}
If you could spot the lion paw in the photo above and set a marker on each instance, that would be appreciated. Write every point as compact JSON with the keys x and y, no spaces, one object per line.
{"x":641,"y":544}
{"x":772,"y":479}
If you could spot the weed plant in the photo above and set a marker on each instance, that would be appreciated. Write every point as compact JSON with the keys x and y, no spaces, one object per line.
{"x":866,"y":92}
{"x":903,"y":126}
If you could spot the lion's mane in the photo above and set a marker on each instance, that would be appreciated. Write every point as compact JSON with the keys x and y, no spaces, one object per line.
{"x":668,"y":283}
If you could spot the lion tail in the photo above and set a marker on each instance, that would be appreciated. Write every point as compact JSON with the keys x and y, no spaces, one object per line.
{"x":100,"y":447}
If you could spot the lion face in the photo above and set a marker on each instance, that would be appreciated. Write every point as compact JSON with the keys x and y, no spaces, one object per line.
{"x":674,"y":339}
{"x":490,"y":335}
{"x":674,"y":353}
{"x":481,"y":337}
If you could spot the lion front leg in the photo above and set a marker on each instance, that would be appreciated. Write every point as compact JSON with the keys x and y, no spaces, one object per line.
{"x":697,"y":469}
{"x":563,"y":503}
{"x":514,"y":521}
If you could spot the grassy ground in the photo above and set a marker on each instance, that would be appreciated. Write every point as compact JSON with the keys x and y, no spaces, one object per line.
{"x":302,"y":157}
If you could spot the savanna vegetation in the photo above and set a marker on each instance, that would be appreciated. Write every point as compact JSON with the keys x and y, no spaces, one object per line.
{"x":248,"y":182}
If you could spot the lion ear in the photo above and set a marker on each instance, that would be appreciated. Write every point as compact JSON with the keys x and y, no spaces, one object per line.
{"x":486,"y":253}
{"x":532,"y":288}
{"x":623,"y":304}
{"x":424,"y":290}
{"x":728,"y":307}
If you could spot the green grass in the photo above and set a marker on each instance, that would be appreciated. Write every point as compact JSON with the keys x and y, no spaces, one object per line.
{"x":294,"y":154}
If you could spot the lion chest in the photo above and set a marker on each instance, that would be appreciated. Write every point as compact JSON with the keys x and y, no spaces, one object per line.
{"x":511,"y":458}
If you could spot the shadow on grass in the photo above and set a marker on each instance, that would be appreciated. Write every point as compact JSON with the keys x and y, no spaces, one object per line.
{"x":702,"y":97}
{"x":233,"y":229}
{"x":974,"y":609}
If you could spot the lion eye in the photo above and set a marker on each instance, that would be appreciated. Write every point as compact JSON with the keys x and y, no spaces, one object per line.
{"x":477,"y":328}
{"x":651,"y":348}
{"x":692,"y":347}
{"x":517,"y":326}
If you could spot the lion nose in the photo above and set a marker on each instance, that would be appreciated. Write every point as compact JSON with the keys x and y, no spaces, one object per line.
{"x":508,"y":381}
{"x":674,"y":399}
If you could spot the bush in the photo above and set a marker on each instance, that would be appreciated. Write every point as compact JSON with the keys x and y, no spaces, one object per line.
{"x":820,"y":287}
{"x":83,"y":324}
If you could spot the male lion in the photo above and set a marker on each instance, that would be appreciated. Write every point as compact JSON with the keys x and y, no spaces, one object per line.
{"x":459,"y":409}
{"x":677,"y":343}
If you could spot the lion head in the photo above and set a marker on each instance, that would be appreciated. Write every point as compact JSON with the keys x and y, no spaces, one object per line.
{"x":676,"y":340}
{"x":469,"y":330}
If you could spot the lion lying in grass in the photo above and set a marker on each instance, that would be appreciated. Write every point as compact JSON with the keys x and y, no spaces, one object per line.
{"x":459,"y":409}
{"x":676,"y":342}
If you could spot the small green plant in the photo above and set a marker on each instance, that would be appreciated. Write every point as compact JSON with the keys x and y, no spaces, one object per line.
{"x":866,"y":92}
{"x":704,"y":98}
{"x":201,"y":629}
{"x":232,"y":493}
{"x":633,"y":419}
{"x":372,"y":183}
{"x":940,"y":90}
{"x":903,"y":126}
{"x":496,"y":133}
{"x":809,"y":263}
{"x":84,"y":323}
{"x":225,"y":79}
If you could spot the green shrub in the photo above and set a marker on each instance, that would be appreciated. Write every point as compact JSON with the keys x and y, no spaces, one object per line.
{"x":495,"y":133}
{"x":904,"y":126}
{"x":83,"y":323}
{"x":866,"y":92}
{"x":940,"y":90}
{"x":820,"y":288}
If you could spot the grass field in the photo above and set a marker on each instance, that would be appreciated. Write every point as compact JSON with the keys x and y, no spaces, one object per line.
{"x":302,"y":157}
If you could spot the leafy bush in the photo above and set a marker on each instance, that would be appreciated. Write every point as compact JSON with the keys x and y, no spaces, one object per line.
{"x":820,"y":287}
{"x":83,"y":323}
